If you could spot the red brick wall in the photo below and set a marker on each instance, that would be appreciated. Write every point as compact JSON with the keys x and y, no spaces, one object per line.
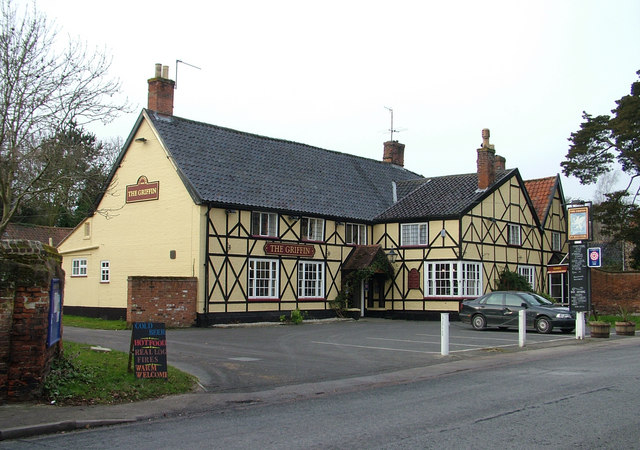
{"x":609,"y":290}
{"x":171,"y":300}
{"x":26,"y":270}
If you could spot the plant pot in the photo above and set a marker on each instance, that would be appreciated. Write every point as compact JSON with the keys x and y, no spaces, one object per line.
{"x":599,"y":329}
{"x":626,"y":328}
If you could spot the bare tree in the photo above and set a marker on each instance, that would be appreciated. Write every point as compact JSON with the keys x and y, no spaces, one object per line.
{"x":44,"y":93}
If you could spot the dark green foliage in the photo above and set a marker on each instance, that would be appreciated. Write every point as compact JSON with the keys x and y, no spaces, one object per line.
{"x":512,"y":281}
{"x":600,"y":142}
{"x":77,"y":167}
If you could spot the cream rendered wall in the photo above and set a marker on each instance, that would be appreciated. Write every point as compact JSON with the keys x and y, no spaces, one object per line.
{"x":137,"y":238}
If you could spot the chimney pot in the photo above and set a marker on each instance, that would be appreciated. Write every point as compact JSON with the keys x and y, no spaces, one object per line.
{"x":165,"y":72}
{"x":158,"y":70}
{"x":486,"y":162}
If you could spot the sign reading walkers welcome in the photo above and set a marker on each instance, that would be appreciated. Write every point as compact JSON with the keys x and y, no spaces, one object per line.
{"x":149,"y":350}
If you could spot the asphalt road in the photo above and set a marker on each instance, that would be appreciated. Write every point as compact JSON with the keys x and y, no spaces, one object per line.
{"x":246,"y":359}
{"x":580,"y":400}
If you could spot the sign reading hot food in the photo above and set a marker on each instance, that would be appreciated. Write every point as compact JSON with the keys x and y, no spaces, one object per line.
{"x":276,"y":248}
{"x":143,"y":190}
{"x":149,"y":350}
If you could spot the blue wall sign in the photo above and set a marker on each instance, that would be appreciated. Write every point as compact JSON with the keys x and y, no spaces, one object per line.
{"x":594,"y":257}
{"x":55,"y":310}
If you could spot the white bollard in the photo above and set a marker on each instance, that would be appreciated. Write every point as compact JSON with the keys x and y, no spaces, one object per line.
{"x":580,"y":325}
{"x":522,"y":327}
{"x":444,"y":334}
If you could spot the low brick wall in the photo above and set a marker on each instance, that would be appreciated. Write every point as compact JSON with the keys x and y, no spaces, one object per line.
{"x":26,"y":271}
{"x":171,"y":300}
{"x":611,"y":290}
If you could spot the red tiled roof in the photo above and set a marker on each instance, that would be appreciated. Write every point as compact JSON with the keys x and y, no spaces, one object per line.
{"x":362,"y":256}
{"x":540,"y":192}
{"x":36,"y":233}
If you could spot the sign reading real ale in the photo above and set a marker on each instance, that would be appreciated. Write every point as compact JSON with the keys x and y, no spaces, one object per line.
{"x":149,"y":350}
{"x":276,"y":248}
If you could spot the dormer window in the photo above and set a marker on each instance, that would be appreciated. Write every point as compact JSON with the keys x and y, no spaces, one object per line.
{"x":312,"y":229}
{"x":413,"y":234}
{"x":355,"y":234}
{"x":264,"y":224}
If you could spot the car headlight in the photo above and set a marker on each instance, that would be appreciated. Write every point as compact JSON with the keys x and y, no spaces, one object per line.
{"x":563,"y":316}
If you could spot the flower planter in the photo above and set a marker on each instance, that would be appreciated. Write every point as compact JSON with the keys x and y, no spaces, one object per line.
{"x":626,"y":328}
{"x":600,"y":330}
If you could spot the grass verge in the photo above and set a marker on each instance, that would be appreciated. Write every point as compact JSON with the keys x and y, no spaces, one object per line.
{"x":84,"y":377}
{"x":93,"y":323}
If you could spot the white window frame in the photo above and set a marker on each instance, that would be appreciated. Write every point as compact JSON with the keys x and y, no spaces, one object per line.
{"x":453,"y":279}
{"x":515,"y":234}
{"x":312,"y":229}
{"x":105,"y":271}
{"x":529,"y":272}
{"x":79,"y":267}
{"x":414,"y":234}
{"x":361,"y":231}
{"x":556,"y":241}
{"x":258,"y":224}
{"x":263,"y":278}
{"x":311,"y":279}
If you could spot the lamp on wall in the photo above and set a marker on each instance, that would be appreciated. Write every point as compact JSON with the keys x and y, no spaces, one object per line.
{"x":392,"y":255}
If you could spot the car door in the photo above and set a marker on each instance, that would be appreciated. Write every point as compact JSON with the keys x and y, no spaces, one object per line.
{"x":512,"y":308}
{"x":493,"y":309}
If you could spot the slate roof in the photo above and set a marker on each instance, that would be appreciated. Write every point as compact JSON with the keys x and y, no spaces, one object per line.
{"x":221,"y":166}
{"x":541,"y":192}
{"x":36,"y":233}
{"x":440,"y":197}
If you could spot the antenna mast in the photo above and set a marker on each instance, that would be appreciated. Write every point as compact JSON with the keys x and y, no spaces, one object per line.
{"x":391,"y":130}
{"x":190,"y":65}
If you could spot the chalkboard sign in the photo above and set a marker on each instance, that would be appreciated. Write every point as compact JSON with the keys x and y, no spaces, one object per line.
{"x":579,"y":282}
{"x":149,"y":350}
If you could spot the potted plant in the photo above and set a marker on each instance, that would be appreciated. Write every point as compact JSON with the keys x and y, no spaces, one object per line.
{"x":599,"y":328}
{"x":625,"y":327}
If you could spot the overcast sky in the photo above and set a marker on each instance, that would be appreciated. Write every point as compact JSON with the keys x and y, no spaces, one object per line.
{"x":322,"y":73}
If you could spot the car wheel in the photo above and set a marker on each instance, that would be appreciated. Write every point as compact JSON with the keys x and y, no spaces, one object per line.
{"x":543,"y":325}
{"x":478,"y":322}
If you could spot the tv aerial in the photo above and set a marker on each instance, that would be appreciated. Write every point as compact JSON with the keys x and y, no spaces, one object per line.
{"x":391,"y":129}
{"x":179,"y":61}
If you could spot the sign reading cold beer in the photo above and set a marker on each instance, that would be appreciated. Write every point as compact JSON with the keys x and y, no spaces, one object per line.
{"x":276,"y":248}
{"x":149,"y":349}
{"x":143,"y":190}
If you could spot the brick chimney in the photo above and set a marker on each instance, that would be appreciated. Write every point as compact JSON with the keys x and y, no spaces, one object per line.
{"x":393,"y":153}
{"x":500,"y":163}
{"x":486,"y":162}
{"x":161,"y":91}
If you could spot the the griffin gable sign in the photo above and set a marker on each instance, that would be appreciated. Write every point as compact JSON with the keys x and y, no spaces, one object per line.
{"x":143,"y":190}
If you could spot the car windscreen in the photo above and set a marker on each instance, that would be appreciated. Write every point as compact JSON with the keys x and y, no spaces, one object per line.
{"x":536,"y":300}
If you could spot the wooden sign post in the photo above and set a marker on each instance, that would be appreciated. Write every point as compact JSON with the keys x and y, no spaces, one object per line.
{"x":149,"y":350}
